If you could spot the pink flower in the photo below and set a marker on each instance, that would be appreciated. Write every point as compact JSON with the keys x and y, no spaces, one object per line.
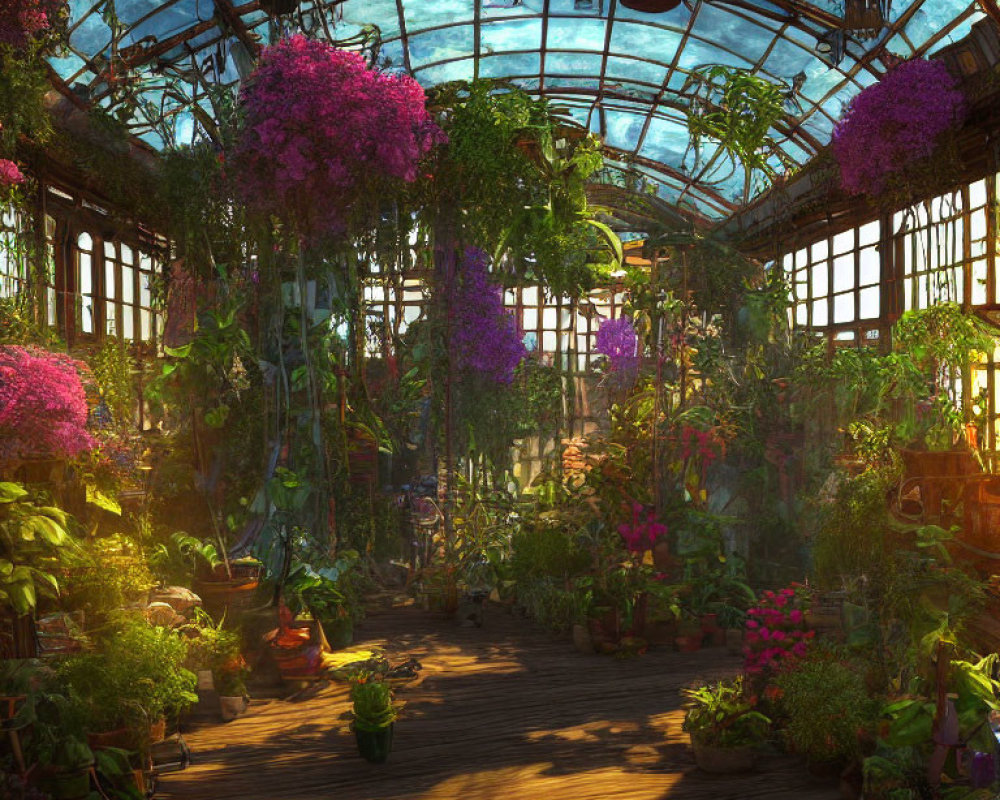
{"x":10,"y":175}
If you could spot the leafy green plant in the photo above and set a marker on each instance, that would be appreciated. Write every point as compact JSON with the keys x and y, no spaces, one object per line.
{"x":112,"y":573}
{"x":722,"y":715}
{"x":113,"y":368}
{"x":135,"y":678}
{"x":738,"y":110}
{"x":182,"y":556}
{"x":211,"y":646}
{"x":34,"y":539}
{"x":826,"y":704}
{"x":327,"y":592}
{"x":373,"y":706}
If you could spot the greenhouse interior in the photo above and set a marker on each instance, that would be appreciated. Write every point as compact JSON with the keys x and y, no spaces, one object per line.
{"x":604,"y":398}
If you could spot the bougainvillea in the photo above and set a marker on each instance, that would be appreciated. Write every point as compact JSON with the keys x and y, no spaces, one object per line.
{"x":10,"y":175}
{"x":319,"y":127}
{"x":776,"y":631}
{"x":22,"y":21}
{"x":485,"y":337}
{"x":895,"y":122}
{"x":641,"y":533}
{"x":43,"y":408}
{"x":617,"y":339}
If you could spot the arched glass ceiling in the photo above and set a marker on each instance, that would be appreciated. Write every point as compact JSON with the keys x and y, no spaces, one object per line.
{"x":616,"y":71}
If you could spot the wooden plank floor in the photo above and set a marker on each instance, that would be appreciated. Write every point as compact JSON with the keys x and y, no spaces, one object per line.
{"x":504,"y":711}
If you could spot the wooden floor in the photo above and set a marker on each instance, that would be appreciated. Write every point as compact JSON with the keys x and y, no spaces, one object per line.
{"x":504,"y":711}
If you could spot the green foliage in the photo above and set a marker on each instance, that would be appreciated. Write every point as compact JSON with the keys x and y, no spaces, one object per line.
{"x":211,"y":646}
{"x":23,"y":84}
{"x":827,"y":705}
{"x":722,"y":715}
{"x":373,"y":706}
{"x":329,"y":593}
{"x":738,"y":110}
{"x":181,"y":557}
{"x":136,"y":677}
{"x":113,"y":572}
{"x":113,"y":368}
{"x":34,"y":541}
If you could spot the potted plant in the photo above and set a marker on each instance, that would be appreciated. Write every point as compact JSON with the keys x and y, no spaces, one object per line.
{"x":725,"y":727}
{"x":215,"y":649}
{"x":131,"y":685}
{"x":325,"y":592}
{"x":374,"y":716}
{"x":57,"y":743}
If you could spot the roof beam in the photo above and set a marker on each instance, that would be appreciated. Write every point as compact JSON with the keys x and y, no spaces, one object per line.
{"x":228,"y":14}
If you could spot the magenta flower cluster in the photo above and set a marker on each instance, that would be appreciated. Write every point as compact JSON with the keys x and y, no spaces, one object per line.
{"x":10,"y":175}
{"x":43,"y":408}
{"x":895,"y":122}
{"x":643,"y":531}
{"x":776,"y":630}
{"x":319,"y":127}
{"x":21,"y":21}
{"x":485,"y":337}
{"x":617,"y":339}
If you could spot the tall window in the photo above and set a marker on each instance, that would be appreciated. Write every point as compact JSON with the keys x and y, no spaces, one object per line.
{"x":14,"y":263}
{"x":928,"y":241}
{"x":85,"y":285}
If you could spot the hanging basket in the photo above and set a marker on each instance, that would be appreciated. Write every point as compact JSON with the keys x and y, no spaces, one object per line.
{"x":651,"y":6}
{"x":278,"y":8}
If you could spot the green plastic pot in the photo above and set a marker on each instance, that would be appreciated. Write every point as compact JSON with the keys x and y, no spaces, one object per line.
{"x":375,"y":746}
{"x":65,"y":784}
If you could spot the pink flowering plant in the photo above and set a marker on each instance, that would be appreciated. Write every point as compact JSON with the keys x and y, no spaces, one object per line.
{"x":10,"y":174}
{"x":895,"y":123}
{"x":24,"y":22}
{"x":642,"y":531}
{"x":776,"y":631}
{"x":43,"y":408}
{"x":320,"y":128}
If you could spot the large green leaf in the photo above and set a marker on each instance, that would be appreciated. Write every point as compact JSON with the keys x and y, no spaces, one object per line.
{"x":11,"y":492}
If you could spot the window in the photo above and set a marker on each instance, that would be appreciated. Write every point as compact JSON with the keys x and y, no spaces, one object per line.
{"x":85,"y":285}
{"x":15,"y":270}
{"x":928,"y":243}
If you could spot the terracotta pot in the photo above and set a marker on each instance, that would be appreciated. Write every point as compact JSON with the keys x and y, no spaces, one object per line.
{"x":122,"y":738}
{"x":724,"y":760}
{"x":228,"y":597}
{"x":158,"y":731}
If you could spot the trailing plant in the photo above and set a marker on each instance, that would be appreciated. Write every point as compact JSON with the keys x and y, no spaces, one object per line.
{"x":895,"y":123}
{"x":112,"y":368}
{"x":738,"y":110}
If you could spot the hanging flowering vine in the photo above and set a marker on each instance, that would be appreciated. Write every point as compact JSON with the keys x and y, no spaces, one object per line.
{"x":894,"y":123}
{"x":485,"y":337}
{"x":321,"y":128}
{"x":23,"y":22}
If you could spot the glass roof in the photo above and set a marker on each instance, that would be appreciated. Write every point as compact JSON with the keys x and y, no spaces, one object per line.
{"x":619,"y":72}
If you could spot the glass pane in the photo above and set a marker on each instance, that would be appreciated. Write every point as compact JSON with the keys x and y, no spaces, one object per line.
{"x":843,"y":242}
{"x":870,"y":267}
{"x":529,"y":295}
{"x":111,"y":326}
{"x":843,"y":272}
{"x":110,"y":283}
{"x":128,"y":284}
{"x":979,"y":283}
{"x":843,"y":307}
{"x":127,"y":254}
{"x":802,"y":314}
{"x":549,"y":341}
{"x":820,"y":313}
{"x":109,"y":250}
{"x":86,"y":281}
{"x":820,"y":250}
{"x":85,"y":242}
{"x":869,"y":300}
{"x":145,"y":294}
{"x":977,"y":224}
{"x":529,"y":317}
{"x":977,"y":194}
{"x":868,"y":234}
{"x":549,"y":318}
{"x":128,"y":323}
{"x":145,"y":325}
{"x":821,"y":280}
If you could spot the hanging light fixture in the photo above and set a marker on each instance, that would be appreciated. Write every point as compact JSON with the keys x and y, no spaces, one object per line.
{"x":278,"y":8}
{"x":651,"y":6}
{"x":866,"y":18}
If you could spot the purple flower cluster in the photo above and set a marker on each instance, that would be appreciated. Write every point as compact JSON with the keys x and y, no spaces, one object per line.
{"x":895,"y":122}
{"x":485,"y":337}
{"x":321,"y":126}
{"x":617,"y":339}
